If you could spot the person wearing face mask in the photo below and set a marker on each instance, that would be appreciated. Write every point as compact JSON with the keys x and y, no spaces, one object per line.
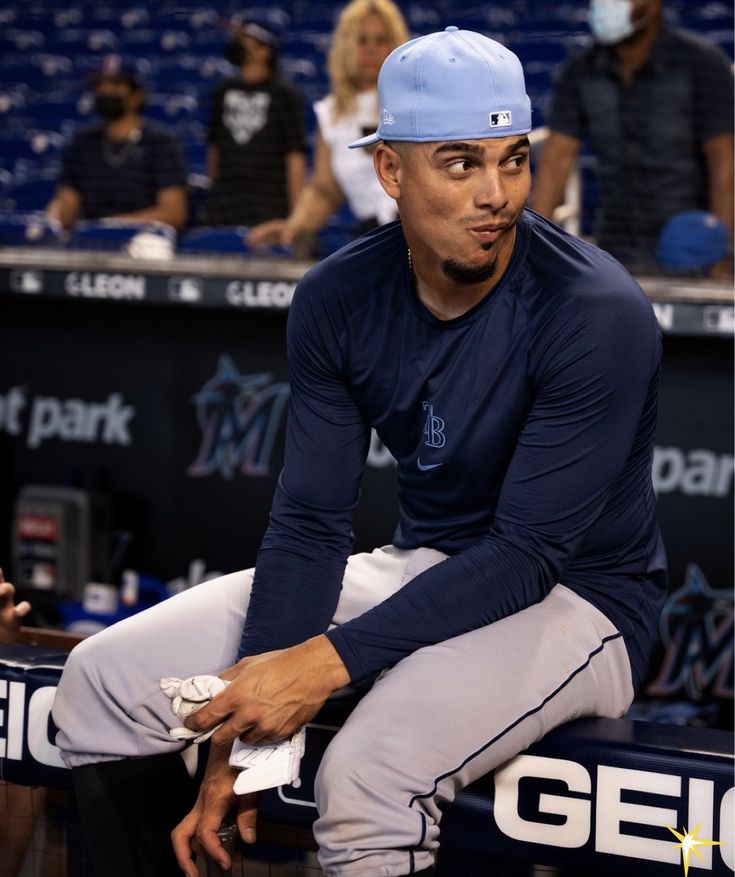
{"x":655,"y":103}
{"x":125,"y":167}
{"x":256,"y":155}
{"x":366,"y":32}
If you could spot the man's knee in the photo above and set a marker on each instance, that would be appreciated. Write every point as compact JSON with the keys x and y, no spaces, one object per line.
{"x":365,"y":822}
{"x":79,"y":668}
{"x":338,"y":776}
{"x":80,"y":689}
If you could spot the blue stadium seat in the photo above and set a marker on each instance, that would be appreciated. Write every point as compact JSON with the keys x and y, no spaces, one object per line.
{"x":110,"y":235}
{"x":140,"y":40}
{"x":33,"y":144}
{"x":209,"y":41}
{"x":221,"y":240}
{"x":80,"y":40}
{"x":29,"y":229}
{"x":33,"y":71}
{"x":21,"y":40}
{"x":33,"y":194}
{"x":13,"y":109}
{"x":225,"y":239}
{"x":196,"y":155}
{"x":64,"y":18}
{"x":62,"y":113}
{"x":174,"y":41}
{"x":303,"y":71}
{"x":9,"y":16}
{"x":205,"y":18}
{"x":185,"y":76}
{"x":134,"y":18}
{"x":173,"y":108}
{"x":17,"y":157}
{"x":339,"y":231}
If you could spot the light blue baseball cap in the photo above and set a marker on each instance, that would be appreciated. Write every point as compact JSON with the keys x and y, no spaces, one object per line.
{"x":451,"y":85}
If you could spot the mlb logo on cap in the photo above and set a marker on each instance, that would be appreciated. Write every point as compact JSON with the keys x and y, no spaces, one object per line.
{"x":501,"y":120}
{"x":451,"y":85}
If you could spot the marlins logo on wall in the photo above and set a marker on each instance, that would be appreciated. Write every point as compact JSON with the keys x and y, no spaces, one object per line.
{"x":239,"y":416}
{"x":697,"y":632}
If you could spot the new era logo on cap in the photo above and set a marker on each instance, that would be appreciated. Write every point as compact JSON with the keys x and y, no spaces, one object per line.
{"x":502,"y":119}
{"x":451,"y":85}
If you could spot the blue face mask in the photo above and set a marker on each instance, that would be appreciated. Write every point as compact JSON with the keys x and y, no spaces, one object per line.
{"x":610,"y":20}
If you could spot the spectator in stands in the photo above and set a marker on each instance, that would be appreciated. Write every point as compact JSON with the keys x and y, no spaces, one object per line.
{"x":125,"y":168}
{"x":656,"y":104}
{"x":256,"y":155}
{"x":366,"y":32}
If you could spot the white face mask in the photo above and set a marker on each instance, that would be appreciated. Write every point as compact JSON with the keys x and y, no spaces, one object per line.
{"x":610,"y":20}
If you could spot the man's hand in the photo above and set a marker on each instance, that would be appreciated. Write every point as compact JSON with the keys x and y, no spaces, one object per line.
{"x":11,"y":616}
{"x":272,"y":695}
{"x":274,"y":232}
{"x":197,"y":832}
{"x":269,"y":697}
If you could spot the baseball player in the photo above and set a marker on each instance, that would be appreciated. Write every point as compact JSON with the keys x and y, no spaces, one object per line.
{"x":512,"y":370}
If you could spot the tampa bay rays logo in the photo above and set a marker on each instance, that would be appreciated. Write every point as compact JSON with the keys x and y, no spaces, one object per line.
{"x":433,"y":427}
{"x":239,"y":416}
{"x":696,"y":628}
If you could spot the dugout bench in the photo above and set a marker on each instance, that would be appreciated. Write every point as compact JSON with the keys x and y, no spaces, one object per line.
{"x":594,"y":796}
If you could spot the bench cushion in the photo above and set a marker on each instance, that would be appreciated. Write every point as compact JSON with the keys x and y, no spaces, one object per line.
{"x":594,"y":794}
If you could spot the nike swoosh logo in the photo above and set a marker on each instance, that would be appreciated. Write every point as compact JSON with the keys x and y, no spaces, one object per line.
{"x":424,"y":467}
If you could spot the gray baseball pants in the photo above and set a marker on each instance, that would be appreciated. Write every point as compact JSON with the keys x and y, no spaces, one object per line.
{"x":438,"y":720}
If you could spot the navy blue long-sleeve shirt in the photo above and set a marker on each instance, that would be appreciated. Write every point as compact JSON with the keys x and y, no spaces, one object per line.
{"x":523,"y":432}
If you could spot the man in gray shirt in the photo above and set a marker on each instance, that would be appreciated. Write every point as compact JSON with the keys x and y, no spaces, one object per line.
{"x":655,"y":103}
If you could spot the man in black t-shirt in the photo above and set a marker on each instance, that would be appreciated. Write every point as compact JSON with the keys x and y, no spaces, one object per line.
{"x":256,"y":154}
{"x":124,"y":168}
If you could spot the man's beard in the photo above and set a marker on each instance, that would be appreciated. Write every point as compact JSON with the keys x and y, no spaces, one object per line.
{"x":468,"y":275}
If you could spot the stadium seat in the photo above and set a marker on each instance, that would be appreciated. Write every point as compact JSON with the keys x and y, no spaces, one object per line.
{"x":172,"y":109}
{"x":29,"y":229}
{"x":32,"y":194}
{"x":13,"y":110}
{"x":21,"y":40}
{"x":139,"y":40}
{"x":62,"y":113}
{"x":208,"y":41}
{"x":221,"y":240}
{"x":224,"y":239}
{"x":196,"y":156}
{"x":116,"y":236}
{"x":81,"y":40}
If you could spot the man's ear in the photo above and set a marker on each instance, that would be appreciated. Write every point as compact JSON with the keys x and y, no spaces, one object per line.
{"x":389,"y":168}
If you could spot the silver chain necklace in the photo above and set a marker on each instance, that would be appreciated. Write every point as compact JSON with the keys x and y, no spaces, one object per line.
{"x":119,"y":158}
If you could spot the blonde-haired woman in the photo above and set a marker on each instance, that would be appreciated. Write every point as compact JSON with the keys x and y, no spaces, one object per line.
{"x":366,"y":32}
